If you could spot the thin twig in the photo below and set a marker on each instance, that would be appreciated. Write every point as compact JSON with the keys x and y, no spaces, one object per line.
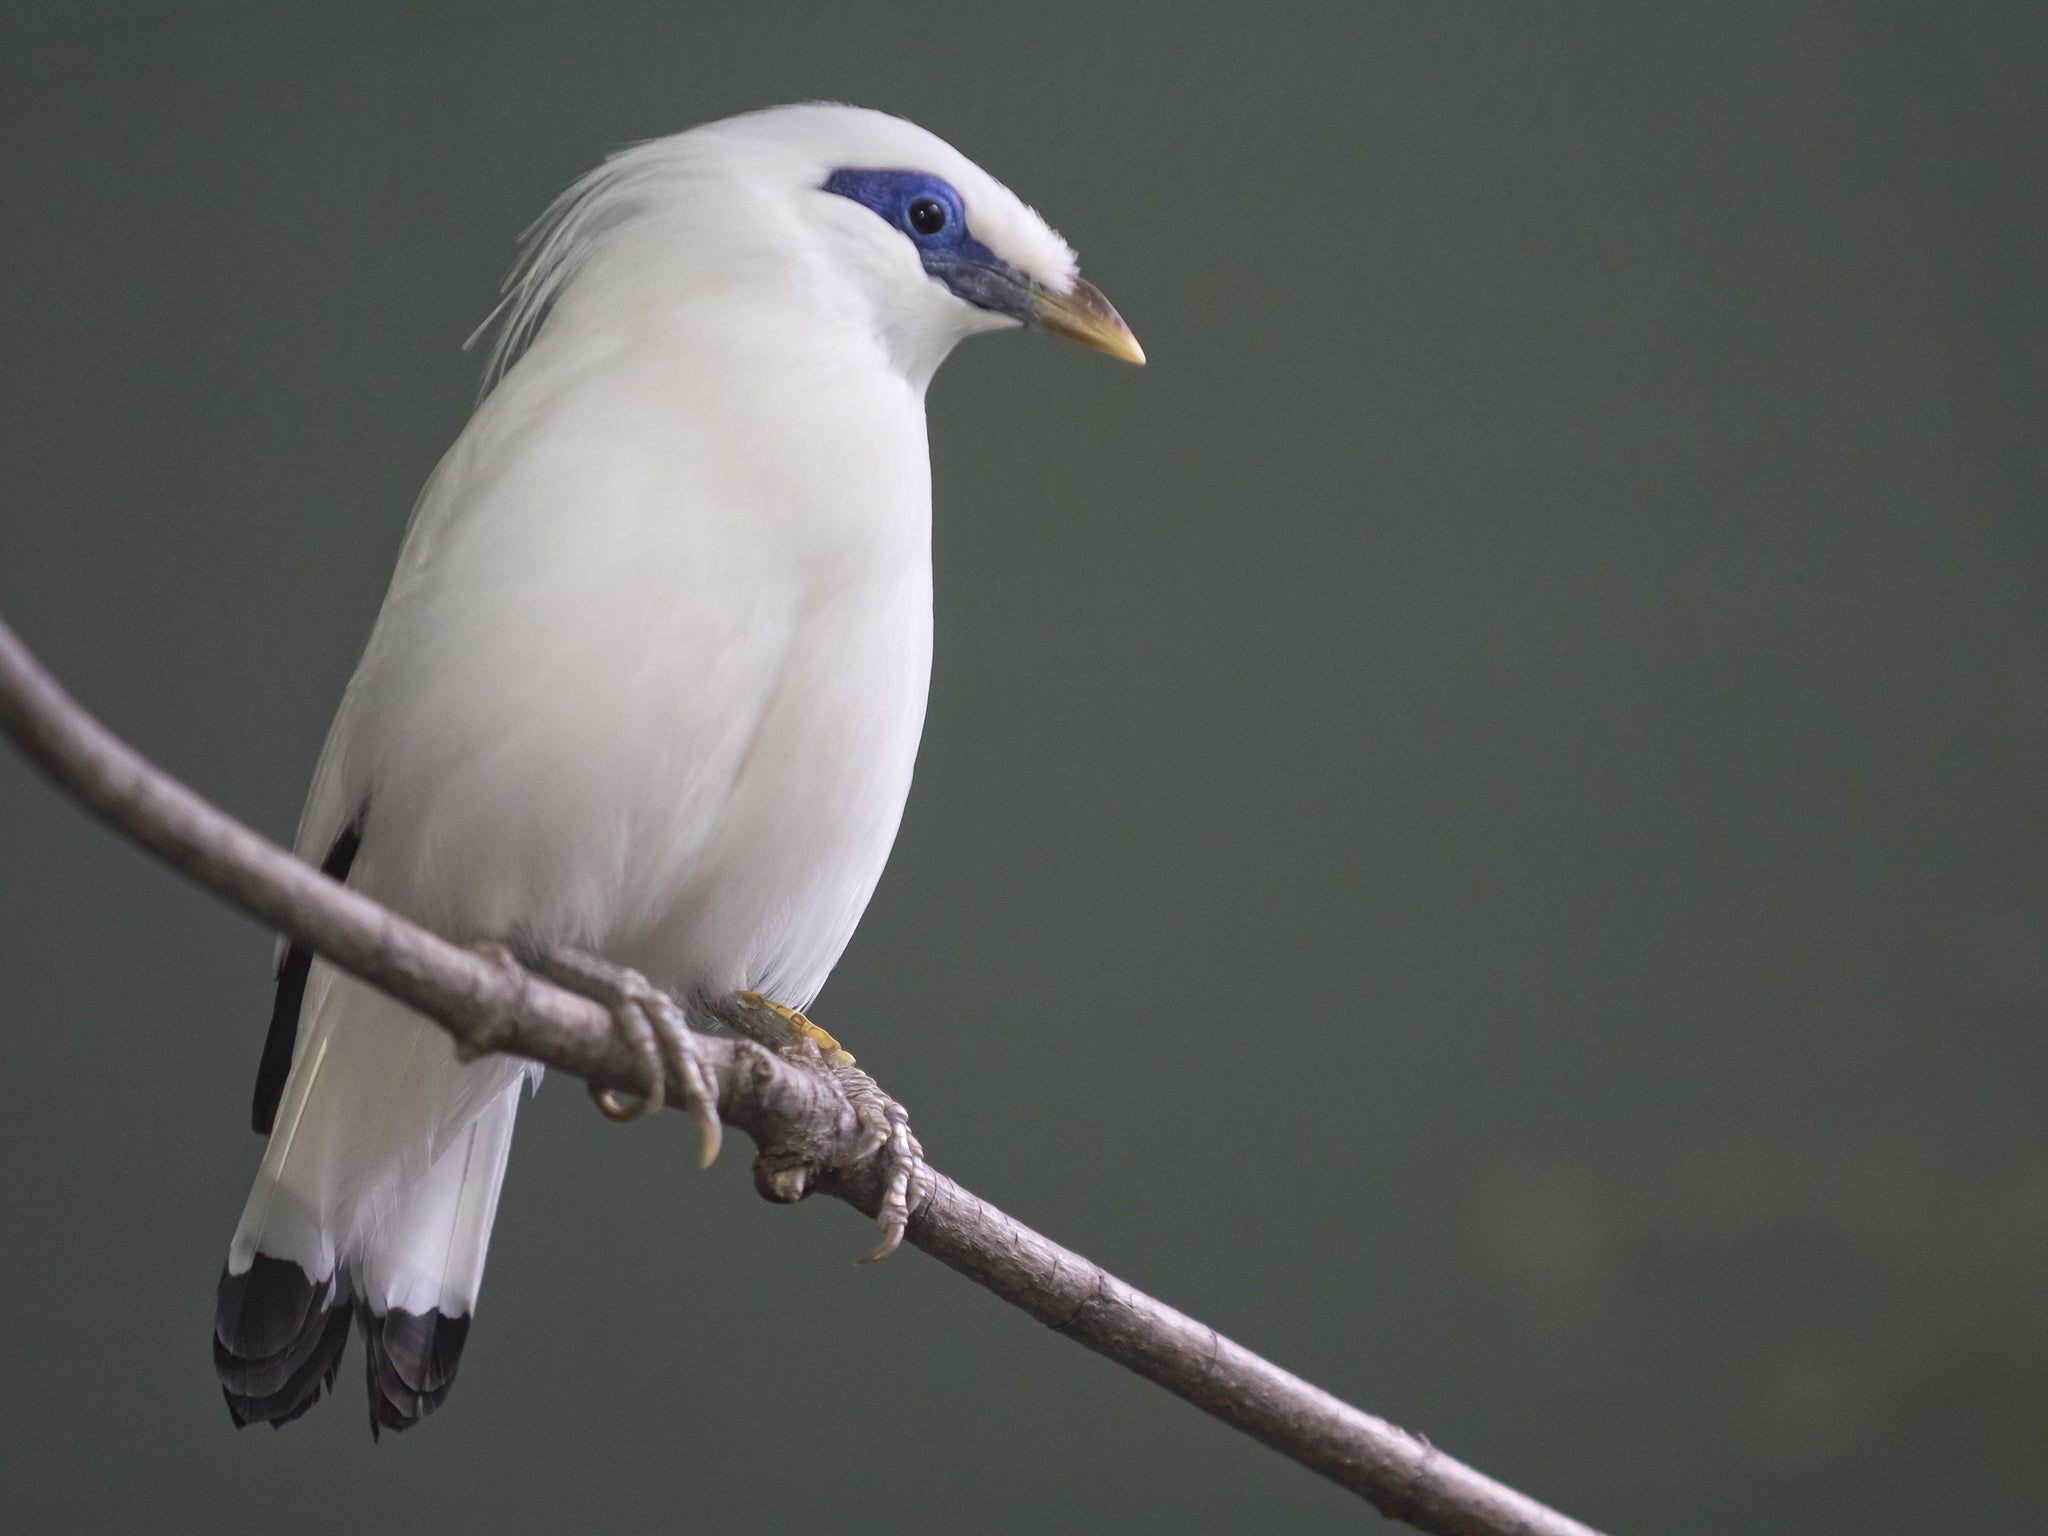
{"x":793,"y":1112}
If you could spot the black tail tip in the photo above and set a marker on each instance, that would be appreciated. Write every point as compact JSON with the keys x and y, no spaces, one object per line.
{"x":278,"y":1335}
{"x":411,"y":1359}
{"x":278,"y":1338}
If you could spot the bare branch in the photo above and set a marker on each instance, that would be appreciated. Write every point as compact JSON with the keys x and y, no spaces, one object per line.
{"x":795,"y":1114}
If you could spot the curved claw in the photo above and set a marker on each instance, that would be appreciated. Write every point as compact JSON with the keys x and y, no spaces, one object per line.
{"x":701,"y":1100}
{"x":906,"y":1159}
{"x":615,"y":1106}
{"x":888,"y":1124}
{"x":892,"y":1239}
{"x":653,"y":1024}
{"x":700,"y":1089}
{"x":711,"y":1132}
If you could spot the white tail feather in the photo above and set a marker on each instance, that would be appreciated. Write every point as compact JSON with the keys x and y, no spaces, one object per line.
{"x":375,"y":1103}
{"x":427,"y":1253}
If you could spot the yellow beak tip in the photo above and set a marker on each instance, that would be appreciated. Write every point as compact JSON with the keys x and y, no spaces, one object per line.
{"x":1082,"y":315}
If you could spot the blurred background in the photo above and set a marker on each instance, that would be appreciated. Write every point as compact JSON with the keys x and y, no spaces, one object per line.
{"x":1482,"y":821}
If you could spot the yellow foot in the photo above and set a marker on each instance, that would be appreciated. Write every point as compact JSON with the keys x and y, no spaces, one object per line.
{"x":796,"y":1026}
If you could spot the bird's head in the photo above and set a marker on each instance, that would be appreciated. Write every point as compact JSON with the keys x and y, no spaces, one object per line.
{"x":850,"y":215}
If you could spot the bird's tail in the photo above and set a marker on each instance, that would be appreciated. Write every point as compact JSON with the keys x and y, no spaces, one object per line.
{"x":375,"y":1199}
{"x":422,"y":1267}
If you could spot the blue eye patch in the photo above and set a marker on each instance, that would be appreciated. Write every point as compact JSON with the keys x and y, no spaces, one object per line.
{"x":930,"y":215}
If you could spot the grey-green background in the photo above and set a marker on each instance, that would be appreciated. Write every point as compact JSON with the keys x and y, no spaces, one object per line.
{"x":1481,"y":826}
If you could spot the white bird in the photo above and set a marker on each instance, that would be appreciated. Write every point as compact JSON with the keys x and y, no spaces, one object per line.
{"x":647,"y":685}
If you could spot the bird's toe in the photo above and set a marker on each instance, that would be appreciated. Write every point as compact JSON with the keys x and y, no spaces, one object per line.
{"x":906,"y":1176}
{"x":653,"y":1024}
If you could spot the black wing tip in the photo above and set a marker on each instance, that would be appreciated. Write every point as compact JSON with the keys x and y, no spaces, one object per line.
{"x":410,"y":1360}
{"x":292,"y":972}
{"x":278,"y":1337}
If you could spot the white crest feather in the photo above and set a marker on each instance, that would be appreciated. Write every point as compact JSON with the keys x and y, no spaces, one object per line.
{"x":796,"y":145}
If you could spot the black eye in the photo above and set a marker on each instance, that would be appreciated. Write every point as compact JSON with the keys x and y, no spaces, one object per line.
{"x":928,"y":216}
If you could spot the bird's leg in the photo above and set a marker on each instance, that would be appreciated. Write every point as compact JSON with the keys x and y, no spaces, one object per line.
{"x":771,"y":1024}
{"x":884,"y":1124}
{"x":652,"y":1023}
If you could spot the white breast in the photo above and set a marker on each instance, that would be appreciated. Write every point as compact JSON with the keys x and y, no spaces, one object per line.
{"x":653,"y":668}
